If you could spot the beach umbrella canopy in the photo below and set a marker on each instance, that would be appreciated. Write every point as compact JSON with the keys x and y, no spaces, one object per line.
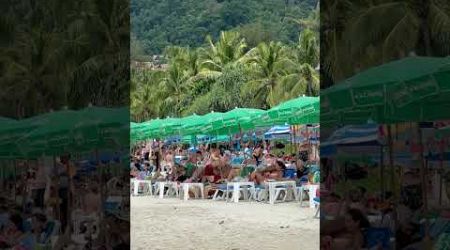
{"x":52,"y":134}
{"x":6,"y":119}
{"x":410,"y":89}
{"x":301,"y":110}
{"x":11,"y":131}
{"x":173,"y":126}
{"x":104,"y":127}
{"x":9,"y":134}
{"x":200,"y":124}
{"x":75,"y":131}
{"x":234,"y":121}
{"x":147,"y":130}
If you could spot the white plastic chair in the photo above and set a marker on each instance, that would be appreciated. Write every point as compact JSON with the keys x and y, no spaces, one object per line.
{"x":173,"y":190}
{"x":317,"y":204}
{"x":245,"y":192}
{"x":261,"y":194}
{"x":220,"y":195}
{"x":300,"y":194}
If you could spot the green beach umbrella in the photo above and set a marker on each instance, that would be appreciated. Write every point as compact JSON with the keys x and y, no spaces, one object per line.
{"x":234,"y":121}
{"x":173,"y":126}
{"x":198,"y":124}
{"x":410,"y":89}
{"x":6,"y":119}
{"x":301,"y":110}
{"x":76,"y":131}
{"x":103,"y":127}
{"x":52,"y":136}
{"x":147,"y":130}
{"x":11,"y":131}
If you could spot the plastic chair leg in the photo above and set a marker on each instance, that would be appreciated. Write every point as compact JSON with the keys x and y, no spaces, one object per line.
{"x":317,"y":211}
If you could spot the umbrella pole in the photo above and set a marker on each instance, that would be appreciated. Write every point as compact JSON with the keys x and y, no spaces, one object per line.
{"x":231,"y":140}
{"x":382,"y":172}
{"x":57,"y":186}
{"x":391,"y":160}
{"x":298,"y":135}
{"x":24,"y":188}
{"x":15,"y":181}
{"x":291,"y":136}
{"x":441,"y":146}
{"x":424,"y":180}
{"x":393,"y":173}
{"x":240,"y":136}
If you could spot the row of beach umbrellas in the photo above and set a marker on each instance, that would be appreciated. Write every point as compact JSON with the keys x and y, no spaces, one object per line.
{"x":64,"y":131}
{"x":301,"y":110}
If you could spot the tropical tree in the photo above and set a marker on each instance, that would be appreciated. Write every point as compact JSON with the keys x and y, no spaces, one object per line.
{"x":145,"y":97}
{"x":63,"y":54}
{"x":225,"y":74}
{"x":368,"y":33}
{"x":174,"y":88}
{"x":267,"y":64}
{"x":305,"y":62}
{"x":230,"y":48}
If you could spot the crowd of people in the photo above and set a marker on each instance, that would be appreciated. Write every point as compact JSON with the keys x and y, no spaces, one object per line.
{"x":40,"y":209}
{"x":214,"y":164}
{"x":359,"y":218}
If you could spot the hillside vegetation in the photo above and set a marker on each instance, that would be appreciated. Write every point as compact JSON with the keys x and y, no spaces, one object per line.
{"x":156,"y":24}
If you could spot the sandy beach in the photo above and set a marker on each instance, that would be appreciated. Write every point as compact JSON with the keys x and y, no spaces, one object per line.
{"x":172,"y":224}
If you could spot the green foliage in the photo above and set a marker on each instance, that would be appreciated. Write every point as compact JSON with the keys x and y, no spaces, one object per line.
{"x":157,"y":24}
{"x":63,"y":53}
{"x":225,"y":74}
{"x":380,"y":31}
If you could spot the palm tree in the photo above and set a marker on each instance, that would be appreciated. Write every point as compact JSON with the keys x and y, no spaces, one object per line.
{"x":380,"y":31}
{"x":333,"y":20}
{"x":174,"y":88}
{"x":145,"y":96}
{"x":230,"y":48}
{"x":267,"y":63}
{"x":100,"y":40}
{"x":307,"y":58}
{"x":408,"y":25}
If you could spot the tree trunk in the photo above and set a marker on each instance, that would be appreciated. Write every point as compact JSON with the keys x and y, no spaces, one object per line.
{"x":425,"y":36}
{"x":309,"y":88}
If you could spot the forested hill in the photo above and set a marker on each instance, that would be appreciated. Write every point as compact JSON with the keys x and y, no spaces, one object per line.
{"x":157,"y":24}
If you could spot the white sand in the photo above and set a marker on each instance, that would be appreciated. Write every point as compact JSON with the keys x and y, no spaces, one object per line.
{"x":172,"y":224}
